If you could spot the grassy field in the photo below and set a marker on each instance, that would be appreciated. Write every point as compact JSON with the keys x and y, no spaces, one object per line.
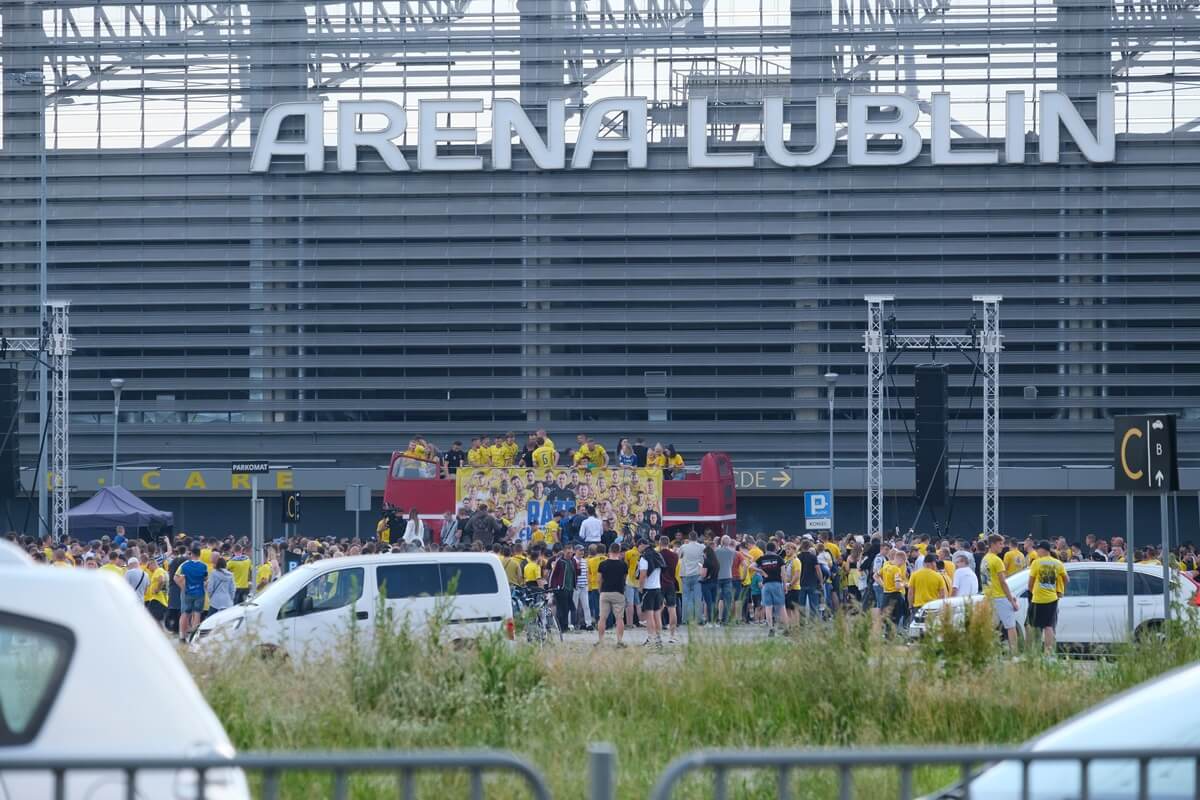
{"x":831,"y":686}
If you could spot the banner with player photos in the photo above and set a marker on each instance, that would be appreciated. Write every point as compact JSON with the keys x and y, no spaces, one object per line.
{"x":630,"y":500}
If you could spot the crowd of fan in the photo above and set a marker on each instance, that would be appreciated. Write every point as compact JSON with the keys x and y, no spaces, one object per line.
{"x":635,"y":580}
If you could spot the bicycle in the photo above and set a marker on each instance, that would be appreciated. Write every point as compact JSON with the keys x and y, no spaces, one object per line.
{"x":536,"y":608}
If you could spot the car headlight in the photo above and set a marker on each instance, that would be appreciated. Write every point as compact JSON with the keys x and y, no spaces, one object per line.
{"x":224,"y":627}
{"x":919,"y":616}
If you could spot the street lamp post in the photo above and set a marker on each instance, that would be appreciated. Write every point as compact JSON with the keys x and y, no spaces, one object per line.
{"x":116,"y":384}
{"x":831,"y":385}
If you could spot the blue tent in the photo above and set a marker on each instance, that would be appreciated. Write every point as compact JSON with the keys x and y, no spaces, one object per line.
{"x":113,"y":506}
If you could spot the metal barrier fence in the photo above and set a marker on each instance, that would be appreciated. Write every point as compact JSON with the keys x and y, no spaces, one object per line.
{"x":271,"y":766}
{"x":1075,"y":777}
{"x":968,"y":760}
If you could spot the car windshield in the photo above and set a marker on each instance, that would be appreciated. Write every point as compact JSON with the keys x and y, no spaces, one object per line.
{"x":285,"y":587}
{"x":1144,"y":719}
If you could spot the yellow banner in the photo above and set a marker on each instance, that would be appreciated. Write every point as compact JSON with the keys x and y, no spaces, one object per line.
{"x":630,"y":500}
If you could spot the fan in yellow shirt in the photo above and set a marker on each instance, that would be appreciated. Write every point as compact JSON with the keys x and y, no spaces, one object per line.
{"x":264,"y":576}
{"x":1047,"y":582}
{"x":593,"y":563}
{"x":892,"y":575}
{"x":631,"y":566}
{"x":1047,"y":579}
{"x":477,"y":456}
{"x":533,"y":574}
{"x":1014,"y":560}
{"x":157,"y":591}
{"x":926,"y":586}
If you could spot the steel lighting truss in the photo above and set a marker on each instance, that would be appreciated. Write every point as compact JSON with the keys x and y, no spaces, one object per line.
{"x":54,"y":345}
{"x":878,"y":342}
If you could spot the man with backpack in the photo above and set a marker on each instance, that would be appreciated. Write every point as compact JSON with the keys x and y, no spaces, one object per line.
{"x":482,"y":526}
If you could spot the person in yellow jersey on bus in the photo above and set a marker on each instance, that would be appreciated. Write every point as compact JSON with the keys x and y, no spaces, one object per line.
{"x":476,"y":455}
{"x":1047,"y":582}
{"x":511,"y":448}
{"x":498,"y":452}
{"x":544,"y":455}
{"x":545,"y":437}
{"x":589,"y":453}
{"x":656,"y":457}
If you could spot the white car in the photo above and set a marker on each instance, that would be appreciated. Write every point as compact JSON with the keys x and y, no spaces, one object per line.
{"x":311,"y":609}
{"x":1146,"y":718}
{"x":86,"y":673}
{"x":1094,"y":609}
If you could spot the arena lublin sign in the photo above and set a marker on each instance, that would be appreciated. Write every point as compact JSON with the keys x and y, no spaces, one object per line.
{"x":375,"y":124}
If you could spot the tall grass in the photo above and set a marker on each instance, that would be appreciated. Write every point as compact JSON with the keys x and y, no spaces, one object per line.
{"x":833,"y":685}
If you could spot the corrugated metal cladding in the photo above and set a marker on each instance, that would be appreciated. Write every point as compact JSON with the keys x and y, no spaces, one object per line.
{"x":310,"y":317}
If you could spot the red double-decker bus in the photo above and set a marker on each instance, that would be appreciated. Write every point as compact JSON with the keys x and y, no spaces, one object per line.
{"x":704,"y":497}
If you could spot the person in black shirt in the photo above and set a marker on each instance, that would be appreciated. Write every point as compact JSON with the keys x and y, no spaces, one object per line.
{"x":640,"y":450}
{"x":770,"y":566}
{"x":454,"y":458}
{"x":612,"y":593}
{"x":811,"y":579}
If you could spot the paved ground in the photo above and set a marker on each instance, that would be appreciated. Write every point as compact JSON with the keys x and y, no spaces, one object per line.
{"x":635,"y":637}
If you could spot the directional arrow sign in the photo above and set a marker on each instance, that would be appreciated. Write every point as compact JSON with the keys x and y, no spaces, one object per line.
{"x":783,"y":478}
{"x":1144,"y":454}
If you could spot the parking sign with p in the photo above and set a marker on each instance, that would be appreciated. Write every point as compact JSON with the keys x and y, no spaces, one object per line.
{"x":816,"y":511}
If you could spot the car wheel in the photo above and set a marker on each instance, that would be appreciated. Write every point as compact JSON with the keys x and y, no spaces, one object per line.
{"x":1149,"y":631}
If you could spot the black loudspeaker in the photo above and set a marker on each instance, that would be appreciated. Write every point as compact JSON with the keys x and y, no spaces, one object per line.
{"x":10,"y":442}
{"x":1037,"y":526}
{"x":930,"y":398}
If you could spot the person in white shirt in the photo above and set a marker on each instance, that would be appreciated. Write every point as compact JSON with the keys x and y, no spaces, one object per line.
{"x":591,"y":530}
{"x":691,"y":560}
{"x":966,"y":583}
{"x":414,"y":531}
{"x":136,"y":577}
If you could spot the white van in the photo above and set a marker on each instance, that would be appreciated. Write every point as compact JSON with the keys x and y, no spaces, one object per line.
{"x":86,"y":673}
{"x":310,"y":609}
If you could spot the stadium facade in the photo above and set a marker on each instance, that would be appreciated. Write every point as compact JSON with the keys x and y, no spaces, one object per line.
{"x":320,"y":318}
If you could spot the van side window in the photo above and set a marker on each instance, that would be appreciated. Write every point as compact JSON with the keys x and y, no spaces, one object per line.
{"x":398,"y":581}
{"x":465,"y":579}
{"x":33,"y":661}
{"x":327,"y":592}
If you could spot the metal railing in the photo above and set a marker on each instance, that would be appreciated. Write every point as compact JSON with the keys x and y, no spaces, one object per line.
{"x":271,"y":766}
{"x":721,"y":763}
{"x":1076,"y":776}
